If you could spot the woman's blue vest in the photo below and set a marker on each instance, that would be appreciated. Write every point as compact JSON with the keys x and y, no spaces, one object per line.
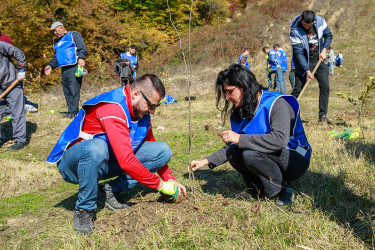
{"x":246,"y":64}
{"x":260,"y":124}
{"x":138,"y":130}
{"x":132,"y":58}
{"x":66,"y":50}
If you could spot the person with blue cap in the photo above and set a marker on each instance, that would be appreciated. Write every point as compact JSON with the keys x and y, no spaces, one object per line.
{"x":70,"y":54}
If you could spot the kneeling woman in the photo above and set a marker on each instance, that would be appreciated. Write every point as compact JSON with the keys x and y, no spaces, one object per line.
{"x":267,"y":144}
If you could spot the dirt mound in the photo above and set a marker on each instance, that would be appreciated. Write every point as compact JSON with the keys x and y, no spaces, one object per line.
{"x":148,"y":218}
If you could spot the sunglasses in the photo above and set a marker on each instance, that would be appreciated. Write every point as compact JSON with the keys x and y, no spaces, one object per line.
{"x":148,"y":101}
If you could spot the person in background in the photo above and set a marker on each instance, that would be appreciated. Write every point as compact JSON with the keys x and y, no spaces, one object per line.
{"x":125,"y":70}
{"x":311,"y":37}
{"x":5,"y":38}
{"x":267,"y":144}
{"x":243,"y":58}
{"x":331,"y":60}
{"x":132,"y":57}
{"x":340,"y":59}
{"x":272,"y":68}
{"x":14,"y":99}
{"x":70,"y":52}
{"x":282,"y":61}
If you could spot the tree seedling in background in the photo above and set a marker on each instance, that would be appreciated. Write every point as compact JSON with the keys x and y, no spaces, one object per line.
{"x":362,"y":99}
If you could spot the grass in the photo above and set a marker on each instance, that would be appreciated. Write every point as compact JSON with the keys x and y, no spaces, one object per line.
{"x":334,"y":208}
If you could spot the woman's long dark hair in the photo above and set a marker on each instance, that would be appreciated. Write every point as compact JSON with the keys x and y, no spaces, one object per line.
{"x":241,"y":77}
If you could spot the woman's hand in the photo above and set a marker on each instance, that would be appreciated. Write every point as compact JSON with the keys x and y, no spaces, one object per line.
{"x":197,"y":164}
{"x":230,"y":136}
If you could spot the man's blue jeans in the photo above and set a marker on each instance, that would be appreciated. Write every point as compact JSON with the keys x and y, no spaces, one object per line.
{"x":330,"y":65}
{"x":279,"y":80}
{"x":270,"y":87}
{"x":87,"y":162}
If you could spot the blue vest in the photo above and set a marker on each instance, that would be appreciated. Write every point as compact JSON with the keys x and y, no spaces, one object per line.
{"x":260,"y":124}
{"x":283,"y":60}
{"x":246,"y":64}
{"x":133,"y":59}
{"x":66,"y":50}
{"x":272,"y":60}
{"x":138,"y":129}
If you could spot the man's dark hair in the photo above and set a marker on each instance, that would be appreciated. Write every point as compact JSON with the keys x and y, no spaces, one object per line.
{"x":276,"y":45}
{"x":245,"y":49}
{"x":134,"y":47}
{"x":241,"y":77}
{"x":142,"y":82}
{"x":265,"y":48}
{"x":308,"y":16}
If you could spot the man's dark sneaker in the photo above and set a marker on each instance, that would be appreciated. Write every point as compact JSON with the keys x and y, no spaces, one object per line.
{"x":109,"y":198}
{"x":285,"y":197}
{"x":83,"y":221}
{"x":17,"y":146}
{"x":324,"y":118}
{"x":68,"y":115}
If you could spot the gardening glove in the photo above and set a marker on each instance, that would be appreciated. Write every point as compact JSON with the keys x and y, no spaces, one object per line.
{"x":21,"y":74}
{"x":169,"y":191}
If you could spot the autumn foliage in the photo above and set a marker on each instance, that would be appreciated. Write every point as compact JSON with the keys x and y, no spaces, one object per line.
{"x":110,"y":26}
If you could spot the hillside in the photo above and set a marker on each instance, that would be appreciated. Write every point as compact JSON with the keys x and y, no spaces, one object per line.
{"x":335,"y":205}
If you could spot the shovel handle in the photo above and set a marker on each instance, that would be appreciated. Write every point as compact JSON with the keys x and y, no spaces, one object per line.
{"x":309,"y":80}
{"x":9,"y":88}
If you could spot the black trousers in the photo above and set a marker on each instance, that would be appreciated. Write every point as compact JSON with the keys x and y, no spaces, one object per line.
{"x":267,"y":173}
{"x":126,"y":81}
{"x":322,"y":76}
{"x":71,"y":87}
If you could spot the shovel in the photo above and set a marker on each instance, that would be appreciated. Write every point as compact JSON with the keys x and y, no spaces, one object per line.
{"x":309,"y":80}
{"x":9,"y":89}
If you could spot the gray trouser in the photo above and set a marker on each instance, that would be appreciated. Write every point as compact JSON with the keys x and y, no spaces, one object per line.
{"x":17,"y":111}
{"x":268,"y":173}
{"x":71,"y":87}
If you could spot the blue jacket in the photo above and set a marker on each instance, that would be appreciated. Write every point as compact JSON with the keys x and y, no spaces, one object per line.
{"x":282,"y":59}
{"x":292,"y":65}
{"x":260,"y":124}
{"x":66,"y":50}
{"x":133,"y":59}
{"x":272,"y":60}
{"x":246,"y":64}
{"x":300,"y":43}
{"x":138,"y":129}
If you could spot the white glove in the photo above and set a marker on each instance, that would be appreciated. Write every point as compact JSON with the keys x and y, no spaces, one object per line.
{"x":21,"y":75}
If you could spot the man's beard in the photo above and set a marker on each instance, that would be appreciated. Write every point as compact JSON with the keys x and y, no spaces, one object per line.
{"x":137,"y":113}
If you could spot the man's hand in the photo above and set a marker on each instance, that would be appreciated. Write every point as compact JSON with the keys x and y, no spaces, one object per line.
{"x":170,"y":190}
{"x":230,"y":136}
{"x":47,"y":70}
{"x":309,"y":75}
{"x":323,"y":54}
{"x":21,"y":75}
{"x":81,"y":62}
{"x":197,"y":164}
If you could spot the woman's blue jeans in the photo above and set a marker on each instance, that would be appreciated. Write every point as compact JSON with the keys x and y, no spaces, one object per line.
{"x":87,"y":162}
